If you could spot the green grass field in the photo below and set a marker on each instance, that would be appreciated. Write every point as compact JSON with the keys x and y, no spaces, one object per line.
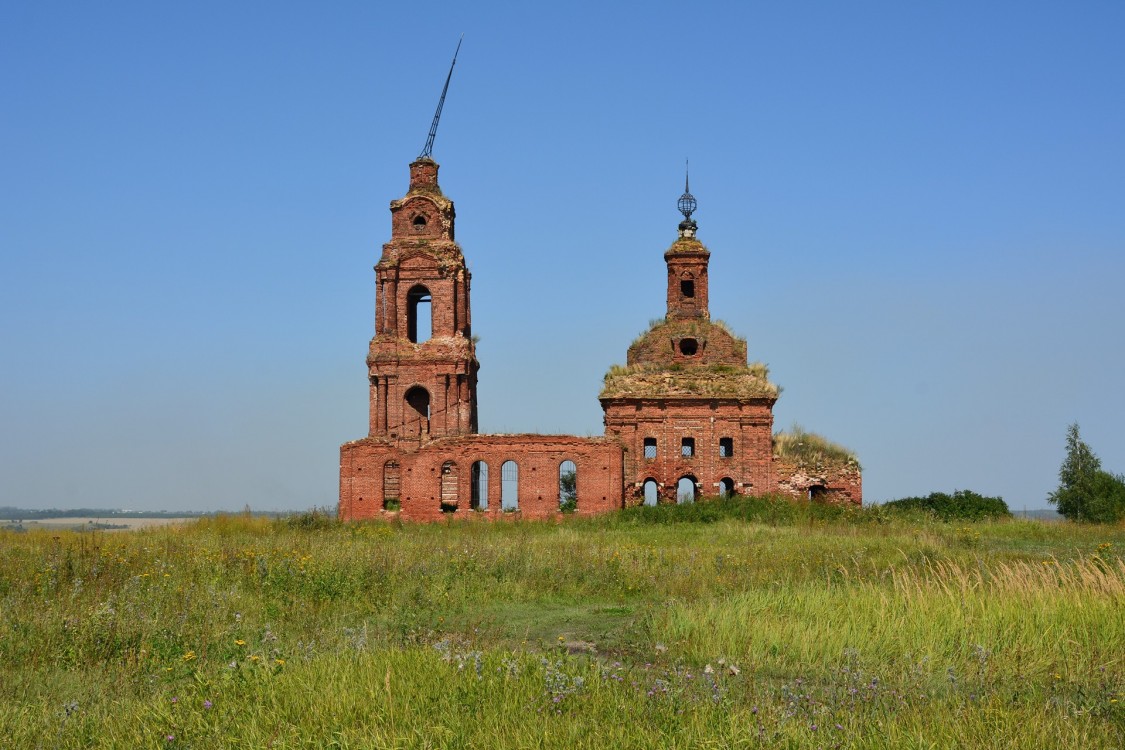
{"x":722,"y":625}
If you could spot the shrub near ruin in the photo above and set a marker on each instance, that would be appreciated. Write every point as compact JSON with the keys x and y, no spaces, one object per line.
{"x":962,"y":505}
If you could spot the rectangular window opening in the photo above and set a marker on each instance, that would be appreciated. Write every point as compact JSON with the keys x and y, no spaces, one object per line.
{"x":726,"y":447}
{"x":687,"y":447}
{"x":650,"y":448}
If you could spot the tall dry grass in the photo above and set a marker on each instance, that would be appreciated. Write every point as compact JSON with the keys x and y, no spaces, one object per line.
{"x":793,"y":629}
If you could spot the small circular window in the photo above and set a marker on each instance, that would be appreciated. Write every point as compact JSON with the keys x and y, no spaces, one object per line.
{"x":688,"y":347}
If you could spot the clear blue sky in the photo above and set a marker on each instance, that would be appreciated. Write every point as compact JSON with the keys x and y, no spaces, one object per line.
{"x":916,"y":214}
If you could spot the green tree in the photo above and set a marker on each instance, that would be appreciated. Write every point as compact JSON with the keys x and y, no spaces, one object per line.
{"x":1086,"y":492}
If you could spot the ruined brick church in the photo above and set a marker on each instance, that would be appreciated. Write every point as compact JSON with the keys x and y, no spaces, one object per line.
{"x":686,"y":416}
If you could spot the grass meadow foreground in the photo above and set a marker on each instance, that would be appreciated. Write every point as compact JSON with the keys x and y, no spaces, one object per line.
{"x":722,"y":625}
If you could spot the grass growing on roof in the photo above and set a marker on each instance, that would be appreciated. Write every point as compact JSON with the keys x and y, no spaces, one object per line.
{"x":808,"y":448}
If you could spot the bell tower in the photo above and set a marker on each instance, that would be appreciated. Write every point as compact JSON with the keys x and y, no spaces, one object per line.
{"x":422,"y":362}
{"x":687,"y":266}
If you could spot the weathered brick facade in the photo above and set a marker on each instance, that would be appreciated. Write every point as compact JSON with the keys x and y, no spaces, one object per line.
{"x":466,"y":476}
{"x":686,"y":416}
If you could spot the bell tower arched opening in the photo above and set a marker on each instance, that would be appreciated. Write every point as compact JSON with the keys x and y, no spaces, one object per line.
{"x":419,"y":315}
{"x":416,"y":414}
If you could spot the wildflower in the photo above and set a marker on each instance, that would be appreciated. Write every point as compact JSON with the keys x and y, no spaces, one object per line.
{"x":170,"y":738}
{"x":240,"y":642}
{"x":280,"y":662}
{"x":207,"y":704}
{"x":254,"y":657}
{"x":189,"y":656}
{"x":174,"y":700}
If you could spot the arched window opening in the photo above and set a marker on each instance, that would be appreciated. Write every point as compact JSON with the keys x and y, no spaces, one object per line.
{"x":687,"y":447}
{"x":687,"y":288}
{"x":688,"y":347}
{"x":650,"y":448}
{"x":509,"y":486}
{"x":419,"y":314}
{"x":479,"y":498}
{"x":685,"y":490}
{"x":419,"y":222}
{"x":391,"y":484}
{"x":568,"y":487}
{"x":417,"y":413}
{"x":726,"y":447}
{"x":818,"y":492}
{"x":651,"y":491}
{"x":449,"y":487}
{"x":726,"y":487}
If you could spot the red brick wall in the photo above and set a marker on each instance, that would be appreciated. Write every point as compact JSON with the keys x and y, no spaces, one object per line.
{"x":835,"y":483}
{"x":748,"y":423}
{"x":598,"y":462}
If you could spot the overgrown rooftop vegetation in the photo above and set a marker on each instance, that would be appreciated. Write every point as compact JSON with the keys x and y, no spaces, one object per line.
{"x":713,"y":381}
{"x":810,"y":449}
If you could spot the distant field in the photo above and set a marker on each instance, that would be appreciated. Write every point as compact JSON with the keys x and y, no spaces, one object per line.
{"x":743,"y":624}
{"x":77,"y":523}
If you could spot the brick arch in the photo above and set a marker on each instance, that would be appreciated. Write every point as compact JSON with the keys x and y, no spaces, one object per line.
{"x":416,"y":405}
{"x":568,"y":484}
{"x":510,"y":485}
{"x":419,"y":313}
{"x":450,"y":487}
{"x":682,"y":489}
{"x":479,"y":480}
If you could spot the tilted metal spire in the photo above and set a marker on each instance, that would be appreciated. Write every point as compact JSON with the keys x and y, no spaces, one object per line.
{"x":429,"y":149}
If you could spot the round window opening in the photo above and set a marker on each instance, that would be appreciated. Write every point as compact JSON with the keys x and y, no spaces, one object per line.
{"x":688,"y":347}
